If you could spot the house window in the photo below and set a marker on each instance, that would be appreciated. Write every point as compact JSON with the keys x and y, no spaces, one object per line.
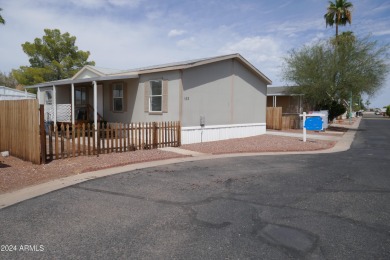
{"x":117,"y":95}
{"x":155,"y":98}
{"x":48,"y":97}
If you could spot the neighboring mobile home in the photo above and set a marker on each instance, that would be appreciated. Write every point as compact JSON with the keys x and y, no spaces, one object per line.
{"x":281,"y":97}
{"x":14,"y":94}
{"x":213,"y":98}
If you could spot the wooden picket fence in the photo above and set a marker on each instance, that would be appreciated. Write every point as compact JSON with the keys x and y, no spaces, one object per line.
{"x":19,"y":129}
{"x":67,"y":141}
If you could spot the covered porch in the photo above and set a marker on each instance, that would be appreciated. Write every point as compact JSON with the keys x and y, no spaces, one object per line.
{"x":77,"y":101}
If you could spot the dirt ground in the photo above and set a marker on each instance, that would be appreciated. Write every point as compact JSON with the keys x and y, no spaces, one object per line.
{"x":16,"y":174}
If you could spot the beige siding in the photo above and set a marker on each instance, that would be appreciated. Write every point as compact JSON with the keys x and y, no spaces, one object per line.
{"x":207,"y":93}
{"x":249,"y":97}
{"x":135,"y":100}
{"x":224,"y":93}
{"x":173,"y":84}
{"x":131,"y":88}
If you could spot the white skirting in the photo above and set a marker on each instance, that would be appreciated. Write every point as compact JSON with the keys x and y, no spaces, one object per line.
{"x":197,"y":134}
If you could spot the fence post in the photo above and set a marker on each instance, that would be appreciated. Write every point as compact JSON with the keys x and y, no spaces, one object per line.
{"x":178,"y":133}
{"x":97,"y":132}
{"x":50,"y":142}
{"x":62,"y":141}
{"x":43,"y":134}
{"x":89,"y":138}
{"x":155,"y":135}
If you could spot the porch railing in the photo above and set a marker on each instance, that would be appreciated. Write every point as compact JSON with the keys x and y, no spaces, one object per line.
{"x":64,"y":112}
{"x":67,"y":141}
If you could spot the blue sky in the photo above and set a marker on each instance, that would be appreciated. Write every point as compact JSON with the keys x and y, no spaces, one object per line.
{"x":125,"y":34}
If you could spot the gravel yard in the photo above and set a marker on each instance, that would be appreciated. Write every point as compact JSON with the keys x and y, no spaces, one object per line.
{"x":260,"y":143}
{"x":16,"y":174}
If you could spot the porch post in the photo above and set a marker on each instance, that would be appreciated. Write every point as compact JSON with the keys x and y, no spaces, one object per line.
{"x":55,"y":105}
{"x":95,"y":104}
{"x":39,"y":96}
{"x":72,"y":103}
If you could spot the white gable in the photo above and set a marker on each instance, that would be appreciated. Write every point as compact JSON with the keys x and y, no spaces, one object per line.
{"x":86,"y":74}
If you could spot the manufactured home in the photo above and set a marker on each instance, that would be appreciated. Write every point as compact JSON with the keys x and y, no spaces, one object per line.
{"x":214,"y":98}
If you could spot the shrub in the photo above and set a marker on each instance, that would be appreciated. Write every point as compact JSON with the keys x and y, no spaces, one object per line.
{"x":335,"y":109}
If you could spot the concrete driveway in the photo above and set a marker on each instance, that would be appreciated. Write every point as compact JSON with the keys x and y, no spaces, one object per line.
{"x":324,"y":206}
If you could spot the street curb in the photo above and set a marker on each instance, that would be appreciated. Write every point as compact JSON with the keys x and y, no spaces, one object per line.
{"x":11,"y":198}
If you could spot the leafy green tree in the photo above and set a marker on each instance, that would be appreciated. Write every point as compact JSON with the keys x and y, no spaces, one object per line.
{"x":8,"y":80}
{"x":334,"y":108}
{"x":368,"y":103}
{"x":53,"y":57}
{"x":323,"y":72}
{"x":388,"y":110}
{"x":338,"y":13}
{"x":2,"y":21}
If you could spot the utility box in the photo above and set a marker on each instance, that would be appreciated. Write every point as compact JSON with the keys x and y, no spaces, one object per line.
{"x":202,"y":121}
{"x":325,"y":117}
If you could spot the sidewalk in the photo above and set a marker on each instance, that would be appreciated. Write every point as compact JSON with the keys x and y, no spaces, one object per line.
{"x":309,"y":136}
{"x":343,"y":143}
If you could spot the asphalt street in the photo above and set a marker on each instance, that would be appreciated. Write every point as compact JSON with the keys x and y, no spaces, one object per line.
{"x":325,"y":206}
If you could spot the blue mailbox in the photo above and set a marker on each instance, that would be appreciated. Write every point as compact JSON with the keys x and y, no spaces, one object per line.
{"x":314,"y":123}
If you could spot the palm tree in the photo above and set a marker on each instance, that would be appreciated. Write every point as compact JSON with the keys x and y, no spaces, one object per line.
{"x":339,"y":13}
{"x":1,"y":18}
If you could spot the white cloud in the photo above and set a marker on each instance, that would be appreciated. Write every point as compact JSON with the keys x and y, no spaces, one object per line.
{"x":263,"y":52}
{"x":91,"y":4}
{"x":188,"y":43}
{"x":127,"y":34}
{"x":95,"y":4}
{"x":126,"y":3}
{"x":175,"y":32}
{"x":319,"y":36}
{"x":380,"y":33}
{"x":261,"y":49}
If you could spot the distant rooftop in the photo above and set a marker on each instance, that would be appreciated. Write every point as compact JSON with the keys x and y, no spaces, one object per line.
{"x":107,"y":71}
{"x":280,"y":91}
